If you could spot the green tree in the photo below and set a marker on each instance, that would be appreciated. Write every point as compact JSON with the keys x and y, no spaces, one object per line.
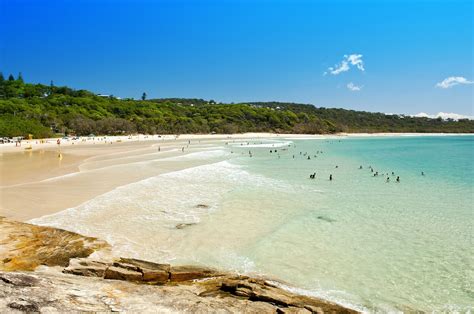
{"x":11,"y":78}
{"x":20,"y":78}
{"x":144,"y":96}
{"x":2,"y":78}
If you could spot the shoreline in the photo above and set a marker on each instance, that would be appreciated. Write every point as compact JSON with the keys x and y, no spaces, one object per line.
{"x":55,"y":184}
{"x":110,"y":159}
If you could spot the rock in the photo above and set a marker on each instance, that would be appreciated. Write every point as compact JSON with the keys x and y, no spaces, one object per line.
{"x":185,"y":273}
{"x":293,"y":310}
{"x":155,"y":276}
{"x":202,"y":206}
{"x":327,"y":219}
{"x":24,"y":306}
{"x":18,"y":280}
{"x":127,"y":266}
{"x":314,"y":309}
{"x":152,"y":272}
{"x":24,"y":246}
{"x":184,"y":225}
{"x":145,"y":264}
{"x":118,"y":273}
{"x":85,"y":267}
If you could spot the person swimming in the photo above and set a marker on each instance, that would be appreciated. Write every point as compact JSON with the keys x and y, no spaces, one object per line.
{"x":388,"y":179}
{"x":422,"y":173}
{"x":360,"y":167}
{"x":398,"y":179}
{"x":309,"y":158}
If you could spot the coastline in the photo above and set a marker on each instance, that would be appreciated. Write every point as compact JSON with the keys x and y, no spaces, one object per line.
{"x":89,"y":167}
{"x":42,"y":270}
{"x":79,"y":179}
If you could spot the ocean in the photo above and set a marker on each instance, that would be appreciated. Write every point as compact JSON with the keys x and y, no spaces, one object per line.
{"x":364,"y":241}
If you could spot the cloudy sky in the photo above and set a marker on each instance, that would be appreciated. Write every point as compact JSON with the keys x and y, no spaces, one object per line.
{"x":388,"y":56}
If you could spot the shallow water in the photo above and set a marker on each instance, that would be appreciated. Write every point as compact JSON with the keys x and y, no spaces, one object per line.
{"x":357,"y":239}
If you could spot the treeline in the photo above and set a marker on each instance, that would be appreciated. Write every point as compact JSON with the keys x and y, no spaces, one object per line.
{"x":47,"y":110}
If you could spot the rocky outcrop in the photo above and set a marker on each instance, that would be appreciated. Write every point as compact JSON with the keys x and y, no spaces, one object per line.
{"x":129,"y":269}
{"x":78,"y":282}
{"x":209,"y":283}
{"x":25,"y":247}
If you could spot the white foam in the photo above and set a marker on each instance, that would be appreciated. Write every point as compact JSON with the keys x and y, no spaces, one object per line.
{"x":153,"y":207}
{"x":201,"y":155}
{"x":266,"y":144}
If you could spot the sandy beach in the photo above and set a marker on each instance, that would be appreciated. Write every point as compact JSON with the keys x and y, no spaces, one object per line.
{"x":41,"y":177}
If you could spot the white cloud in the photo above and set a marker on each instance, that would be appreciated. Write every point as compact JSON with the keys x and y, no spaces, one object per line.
{"x":346,"y":63}
{"x":452,"y":81}
{"x":354,"y":88}
{"x":443,"y":115}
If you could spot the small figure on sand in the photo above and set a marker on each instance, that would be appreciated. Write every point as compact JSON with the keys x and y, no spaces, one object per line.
{"x":182,"y":149}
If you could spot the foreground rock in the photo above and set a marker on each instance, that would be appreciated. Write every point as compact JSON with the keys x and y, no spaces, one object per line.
{"x":25,"y":247}
{"x":70,"y":281}
{"x":48,"y":290}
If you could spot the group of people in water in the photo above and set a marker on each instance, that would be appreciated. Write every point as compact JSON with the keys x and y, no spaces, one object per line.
{"x":376,"y":174}
{"x":312,"y":176}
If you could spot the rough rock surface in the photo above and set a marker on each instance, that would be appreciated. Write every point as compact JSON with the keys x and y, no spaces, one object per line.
{"x":25,"y":247}
{"x":124,"y":284}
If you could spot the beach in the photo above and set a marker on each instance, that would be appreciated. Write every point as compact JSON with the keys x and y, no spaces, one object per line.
{"x":239,"y":202}
{"x":88,"y":167}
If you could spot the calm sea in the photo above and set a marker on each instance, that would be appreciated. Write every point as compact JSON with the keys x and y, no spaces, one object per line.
{"x":365,"y":241}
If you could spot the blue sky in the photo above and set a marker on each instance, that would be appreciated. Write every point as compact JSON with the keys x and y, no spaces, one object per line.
{"x":261,"y":50}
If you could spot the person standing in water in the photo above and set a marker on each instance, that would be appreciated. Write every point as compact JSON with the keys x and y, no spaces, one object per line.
{"x":330,"y":177}
{"x":398,"y":179}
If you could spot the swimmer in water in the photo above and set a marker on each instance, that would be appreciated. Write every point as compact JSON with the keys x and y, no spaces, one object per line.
{"x":422,"y":173}
{"x":330,"y":177}
{"x":398,"y":179}
{"x":388,"y":179}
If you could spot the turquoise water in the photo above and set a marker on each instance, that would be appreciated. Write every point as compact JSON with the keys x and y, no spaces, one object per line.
{"x":357,"y":240}
{"x":406,"y":244}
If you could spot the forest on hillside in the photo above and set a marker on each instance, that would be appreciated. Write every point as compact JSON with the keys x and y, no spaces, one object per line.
{"x":49,"y":110}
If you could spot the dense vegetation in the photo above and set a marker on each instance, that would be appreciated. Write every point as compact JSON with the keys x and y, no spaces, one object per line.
{"x":43,"y":111}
